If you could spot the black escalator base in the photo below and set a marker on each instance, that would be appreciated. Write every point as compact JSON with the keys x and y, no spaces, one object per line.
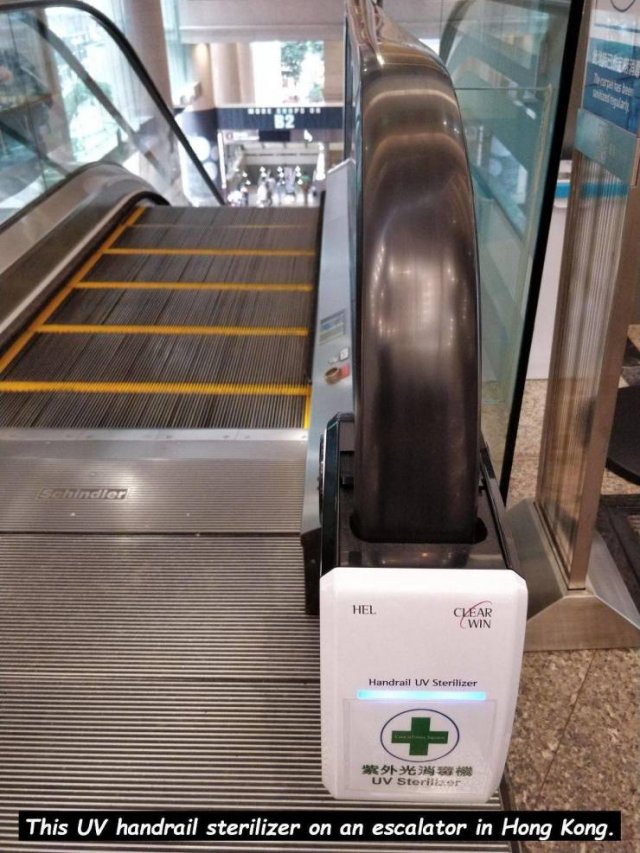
{"x":623,"y":456}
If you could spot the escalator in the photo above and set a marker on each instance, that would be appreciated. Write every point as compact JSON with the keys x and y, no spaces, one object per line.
{"x":155,"y":650}
{"x":183,"y":319}
{"x":156,"y":418}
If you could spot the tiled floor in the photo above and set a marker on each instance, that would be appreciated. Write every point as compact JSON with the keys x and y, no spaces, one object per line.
{"x":576,"y":742}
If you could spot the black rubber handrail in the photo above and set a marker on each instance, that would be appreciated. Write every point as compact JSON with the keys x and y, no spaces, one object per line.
{"x":135,"y":63}
{"x":416,"y":335}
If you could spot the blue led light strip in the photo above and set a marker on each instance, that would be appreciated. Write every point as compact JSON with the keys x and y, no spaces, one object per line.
{"x":426,"y":695}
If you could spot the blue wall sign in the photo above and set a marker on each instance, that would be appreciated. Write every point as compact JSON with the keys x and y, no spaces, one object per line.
{"x":612,"y":81}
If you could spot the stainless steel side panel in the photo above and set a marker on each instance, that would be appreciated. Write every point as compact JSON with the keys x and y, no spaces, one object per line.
{"x":95,"y":187}
{"x":333,"y":343}
{"x":75,"y":215}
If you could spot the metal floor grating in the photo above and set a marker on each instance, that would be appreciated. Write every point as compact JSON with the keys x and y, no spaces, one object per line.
{"x":171,"y":607}
{"x":116,"y":693}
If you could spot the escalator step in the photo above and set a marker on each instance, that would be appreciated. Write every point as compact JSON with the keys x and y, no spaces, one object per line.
{"x":224,"y":216}
{"x":270,"y":269}
{"x":170,"y":237}
{"x":186,"y":308}
{"x":150,"y":339}
{"x":120,"y":358}
{"x":64,"y":410}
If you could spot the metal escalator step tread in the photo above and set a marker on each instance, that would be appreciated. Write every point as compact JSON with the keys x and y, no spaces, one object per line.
{"x":140,"y":358}
{"x":206,"y":217}
{"x":175,"y":357}
{"x":168,"y":237}
{"x":69,"y":410}
{"x":164,"y":584}
{"x":186,"y":308}
{"x":223,"y":268}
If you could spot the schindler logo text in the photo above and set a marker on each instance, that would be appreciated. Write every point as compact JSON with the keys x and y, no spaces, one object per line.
{"x":83,"y":494}
{"x":476,"y":616}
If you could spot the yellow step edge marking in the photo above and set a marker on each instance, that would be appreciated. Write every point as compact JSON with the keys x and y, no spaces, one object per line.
{"x":95,"y":329}
{"x":211,"y":388}
{"x":275,"y":253}
{"x":23,"y":339}
{"x":192,"y":285}
{"x":211,"y":225}
{"x":307,"y":410}
{"x":120,"y":229}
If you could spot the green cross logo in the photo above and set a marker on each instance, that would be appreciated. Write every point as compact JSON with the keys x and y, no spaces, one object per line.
{"x":420,"y":736}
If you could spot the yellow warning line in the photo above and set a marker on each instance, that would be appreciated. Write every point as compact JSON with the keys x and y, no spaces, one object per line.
{"x":192,"y":285}
{"x":274,"y":253}
{"x":307,"y":410}
{"x":15,"y":386}
{"x":95,"y":329}
{"x":23,"y":339}
{"x":201,"y":227}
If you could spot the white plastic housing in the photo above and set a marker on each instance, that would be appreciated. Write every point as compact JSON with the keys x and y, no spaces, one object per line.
{"x":443,"y":650}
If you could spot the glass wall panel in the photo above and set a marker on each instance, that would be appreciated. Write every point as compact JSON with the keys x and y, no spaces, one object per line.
{"x":505,"y":59}
{"x":70,"y":97}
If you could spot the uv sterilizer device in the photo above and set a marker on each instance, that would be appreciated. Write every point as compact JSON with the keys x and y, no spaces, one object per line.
{"x":421,"y":649}
{"x":420,"y":671}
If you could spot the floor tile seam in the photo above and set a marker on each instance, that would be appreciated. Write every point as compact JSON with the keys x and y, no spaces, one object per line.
{"x":564,"y":730}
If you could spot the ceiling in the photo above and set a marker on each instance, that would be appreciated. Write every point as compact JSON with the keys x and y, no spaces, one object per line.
{"x":292,"y":20}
